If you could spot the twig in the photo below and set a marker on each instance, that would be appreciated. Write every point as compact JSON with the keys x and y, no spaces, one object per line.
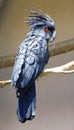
{"x":55,"y":49}
{"x":5,"y":83}
{"x":64,"y":69}
{"x":59,"y":70}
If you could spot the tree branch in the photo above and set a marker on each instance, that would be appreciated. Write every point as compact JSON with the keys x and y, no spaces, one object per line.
{"x":5,"y":83}
{"x":55,"y":49}
{"x":64,"y":69}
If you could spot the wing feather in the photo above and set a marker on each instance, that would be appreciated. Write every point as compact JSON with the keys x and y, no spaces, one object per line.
{"x":30,"y":61}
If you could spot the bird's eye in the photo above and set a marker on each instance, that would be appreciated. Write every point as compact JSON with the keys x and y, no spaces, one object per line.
{"x":46,"y":29}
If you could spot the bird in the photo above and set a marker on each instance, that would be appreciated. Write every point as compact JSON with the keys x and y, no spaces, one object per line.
{"x":32,"y":56}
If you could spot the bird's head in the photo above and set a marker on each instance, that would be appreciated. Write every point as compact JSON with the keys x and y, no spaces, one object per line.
{"x":42,"y":24}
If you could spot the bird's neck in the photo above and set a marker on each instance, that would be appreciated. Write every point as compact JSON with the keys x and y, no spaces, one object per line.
{"x":37,"y":33}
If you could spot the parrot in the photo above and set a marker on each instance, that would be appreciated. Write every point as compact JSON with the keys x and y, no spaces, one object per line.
{"x":32,"y":56}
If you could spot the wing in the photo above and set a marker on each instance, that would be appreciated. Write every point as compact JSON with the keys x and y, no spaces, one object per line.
{"x":20,"y":59}
{"x":30,"y":61}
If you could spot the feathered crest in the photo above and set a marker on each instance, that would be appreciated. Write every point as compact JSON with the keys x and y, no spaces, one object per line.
{"x":39,"y":18}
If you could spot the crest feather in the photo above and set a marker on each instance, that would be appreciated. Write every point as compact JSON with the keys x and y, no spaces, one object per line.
{"x":39,"y":18}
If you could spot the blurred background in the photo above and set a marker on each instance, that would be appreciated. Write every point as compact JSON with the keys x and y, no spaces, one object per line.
{"x":55,"y":93}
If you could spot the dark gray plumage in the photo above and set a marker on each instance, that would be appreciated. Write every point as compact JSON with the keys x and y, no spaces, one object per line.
{"x":32,"y":56}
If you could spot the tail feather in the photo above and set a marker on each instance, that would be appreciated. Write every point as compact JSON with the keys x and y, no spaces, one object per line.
{"x":26,"y":109}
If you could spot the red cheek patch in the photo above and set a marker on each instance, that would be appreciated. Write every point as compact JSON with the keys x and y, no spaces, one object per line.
{"x":46,"y":29}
